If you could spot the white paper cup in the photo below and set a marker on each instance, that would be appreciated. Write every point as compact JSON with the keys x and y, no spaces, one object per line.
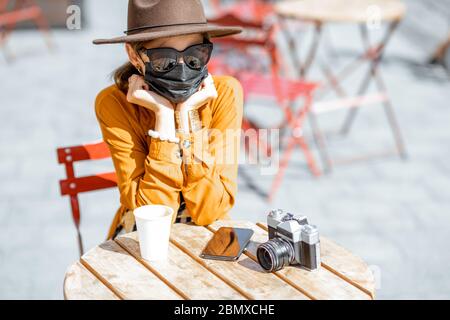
{"x":153,"y":225}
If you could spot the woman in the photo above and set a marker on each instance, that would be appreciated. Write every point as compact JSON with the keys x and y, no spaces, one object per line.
{"x":165,"y":118}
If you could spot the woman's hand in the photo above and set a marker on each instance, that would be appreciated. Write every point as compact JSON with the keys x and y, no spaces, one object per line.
{"x":139,"y":93}
{"x":206,"y":92}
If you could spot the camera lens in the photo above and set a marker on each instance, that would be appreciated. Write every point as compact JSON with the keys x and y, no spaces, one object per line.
{"x":274,"y":254}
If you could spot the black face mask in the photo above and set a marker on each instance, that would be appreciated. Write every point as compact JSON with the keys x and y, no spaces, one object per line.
{"x":178,"y":84}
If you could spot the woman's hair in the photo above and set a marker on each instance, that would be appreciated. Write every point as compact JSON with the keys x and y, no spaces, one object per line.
{"x":121,"y":74}
{"x":125,"y":71}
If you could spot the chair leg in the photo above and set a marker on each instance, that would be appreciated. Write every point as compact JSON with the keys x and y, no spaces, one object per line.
{"x":296,"y":138}
{"x":362,"y":90}
{"x":309,"y":157}
{"x":264,"y":147}
{"x":283,"y":165}
{"x":389,"y":110}
{"x":80,"y":242}
{"x":321,"y":143}
{"x":301,"y":67}
{"x":301,"y":140}
{"x":374,"y":53}
{"x":250,"y":143}
{"x":5,"y":31}
{"x":3,"y":36}
{"x":43,"y":25}
{"x":76,"y":219}
{"x":392,"y":119}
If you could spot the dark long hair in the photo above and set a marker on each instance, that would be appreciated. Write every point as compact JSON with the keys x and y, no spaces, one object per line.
{"x":125,"y":71}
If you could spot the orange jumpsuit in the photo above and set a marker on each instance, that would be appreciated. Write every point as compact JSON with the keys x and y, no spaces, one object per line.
{"x":150,"y":171}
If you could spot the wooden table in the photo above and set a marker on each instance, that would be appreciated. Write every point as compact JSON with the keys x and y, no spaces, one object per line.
{"x":353,"y":11}
{"x":367,"y":15}
{"x":115,"y":270}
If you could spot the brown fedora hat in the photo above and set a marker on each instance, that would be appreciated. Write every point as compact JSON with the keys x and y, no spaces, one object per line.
{"x":152,"y":19}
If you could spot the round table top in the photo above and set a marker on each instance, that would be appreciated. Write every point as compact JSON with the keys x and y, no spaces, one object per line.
{"x":116,"y":270}
{"x":356,"y":11}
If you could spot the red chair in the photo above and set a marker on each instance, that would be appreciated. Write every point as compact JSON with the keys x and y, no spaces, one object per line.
{"x":266,"y":83}
{"x":216,"y":5}
{"x":256,"y":10}
{"x":72,"y":185}
{"x":15,"y":11}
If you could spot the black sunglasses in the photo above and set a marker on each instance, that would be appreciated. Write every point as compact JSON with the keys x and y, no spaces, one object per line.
{"x":165,"y":59}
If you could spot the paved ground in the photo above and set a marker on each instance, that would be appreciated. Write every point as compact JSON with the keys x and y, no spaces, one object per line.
{"x":392,"y":213}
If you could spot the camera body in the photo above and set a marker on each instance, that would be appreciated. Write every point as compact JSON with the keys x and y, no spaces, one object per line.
{"x":292,"y":240}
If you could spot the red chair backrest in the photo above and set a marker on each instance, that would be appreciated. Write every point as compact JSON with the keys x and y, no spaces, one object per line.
{"x":256,"y":35}
{"x":216,"y":5}
{"x":73,"y":185}
{"x":12,"y":12}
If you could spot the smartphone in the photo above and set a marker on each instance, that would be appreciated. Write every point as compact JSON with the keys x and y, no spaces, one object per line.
{"x":227,"y":244}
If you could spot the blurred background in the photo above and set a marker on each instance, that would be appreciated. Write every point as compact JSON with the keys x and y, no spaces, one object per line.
{"x":393,"y":210}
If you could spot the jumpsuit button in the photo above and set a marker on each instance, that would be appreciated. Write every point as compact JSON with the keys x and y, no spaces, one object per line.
{"x":186,"y":144}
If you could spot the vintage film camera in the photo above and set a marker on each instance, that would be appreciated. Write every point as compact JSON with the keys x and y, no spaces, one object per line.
{"x":291,"y":241}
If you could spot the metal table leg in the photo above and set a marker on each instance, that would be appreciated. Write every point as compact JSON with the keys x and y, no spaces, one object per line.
{"x":373,"y":54}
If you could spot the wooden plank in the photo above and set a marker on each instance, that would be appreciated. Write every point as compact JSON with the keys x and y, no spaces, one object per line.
{"x":124,"y":275}
{"x":245,"y":275}
{"x":341,"y":11}
{"x":348,"y":266}
{"x":319,"y":284}
{"x":349,"y":103}
{"x":344,"y":264}
{"x":80,"y":284}
{"x":183,"y":273}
